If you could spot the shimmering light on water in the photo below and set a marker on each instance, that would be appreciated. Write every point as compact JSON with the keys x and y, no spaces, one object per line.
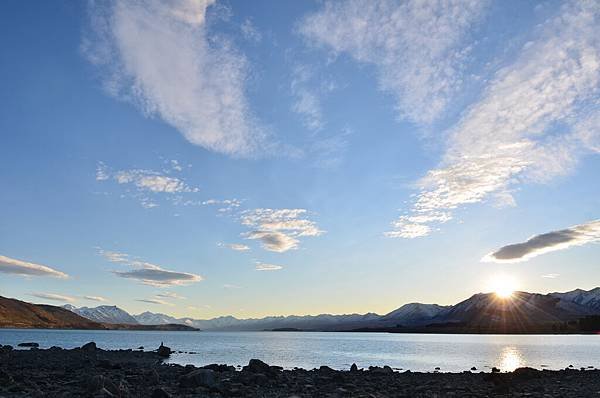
{"x":511,"y":359}
{"x":417,"y":352}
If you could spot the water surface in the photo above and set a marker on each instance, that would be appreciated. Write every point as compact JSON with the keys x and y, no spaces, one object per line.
{"x":417,"y":352}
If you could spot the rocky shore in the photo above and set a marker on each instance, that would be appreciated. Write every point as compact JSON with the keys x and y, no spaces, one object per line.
{"x":91,"y":372}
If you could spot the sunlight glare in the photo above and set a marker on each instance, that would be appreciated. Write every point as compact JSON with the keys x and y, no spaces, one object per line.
{"x":503,"y":286}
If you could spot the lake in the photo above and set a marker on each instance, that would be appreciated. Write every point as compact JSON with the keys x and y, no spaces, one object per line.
{"x":417,"y":352}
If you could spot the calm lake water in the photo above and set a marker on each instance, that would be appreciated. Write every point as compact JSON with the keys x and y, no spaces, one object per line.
{"x":416,"y":352}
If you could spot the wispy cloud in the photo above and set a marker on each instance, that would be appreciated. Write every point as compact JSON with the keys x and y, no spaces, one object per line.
{"x":54,"y":297}
{"x":279,"y":229}
{"x":250,"y":31}
{"x":550,"y":276}
{"x":510,"y":135}
{"x":196,"y":85}
{"x":18,"y":267}
{"x":306,"y":99}
{"x":148,"y":184}
{"x":154,"y":301}
{"x":224,"y":205}
{"x":577,"y":235}
{"x":168,"y":295}
{"x":418,"y":48}
{"x":95,"y":298}
{"x":230,"y":286}
{"x":147,"y":273}
{"x":267,"y":267}
{"x":235,"y":246}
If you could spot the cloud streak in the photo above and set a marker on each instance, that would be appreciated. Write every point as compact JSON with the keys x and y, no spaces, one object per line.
{"x":279,"y":230}
{"x":418,"y":48}
{"x":95,"y":298}
{"x":160,"y":56}
{"x":23,"y":268}
{"x":510,"y":135}
{"x":268,"y":267}
{"x":147,"y":273}
{"x":54,"y":297}
{"x":577,"y":235}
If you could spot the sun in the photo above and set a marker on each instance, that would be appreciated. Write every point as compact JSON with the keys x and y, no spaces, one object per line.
{"x":503,"y":286}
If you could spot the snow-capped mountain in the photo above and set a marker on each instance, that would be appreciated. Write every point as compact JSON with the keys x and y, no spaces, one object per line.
{"x":103,"y":314}
{"x":587,"y":298}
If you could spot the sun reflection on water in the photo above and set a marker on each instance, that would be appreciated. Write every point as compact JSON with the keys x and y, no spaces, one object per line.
{"x":510,"y":359}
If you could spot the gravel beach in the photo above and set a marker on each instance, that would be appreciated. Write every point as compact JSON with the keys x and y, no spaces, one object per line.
{"x":91,"y":372}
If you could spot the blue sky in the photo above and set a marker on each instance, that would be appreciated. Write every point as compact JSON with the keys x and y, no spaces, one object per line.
{"x":206,"y":158}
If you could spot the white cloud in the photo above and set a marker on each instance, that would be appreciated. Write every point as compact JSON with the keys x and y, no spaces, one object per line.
{"x":278,"y":229}
{"x":225,"y":205}
{"x":95,"y":298}
{"x":511,"y":134}
{"x":148,"y":180}
{"x":250,"y":31}
{"x":235,"y":246}
{"x":154,"y":301}
{"x":160,"y":56}
{"x":268,"y":267}
{"x":170,"y":295}
{"x":147,"y":273}
{"x":18,"y":267}
{"x":230,"y":286}
{"x":54,"y":297}
{"x":417,"y":47}
{"x":577,"y":235}
{"x":550,"y":276}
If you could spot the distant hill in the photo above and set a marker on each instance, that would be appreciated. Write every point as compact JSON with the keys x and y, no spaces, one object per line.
{"x":19,"y":314}
{"x":480,"y":313}
{"x":23,"y":315}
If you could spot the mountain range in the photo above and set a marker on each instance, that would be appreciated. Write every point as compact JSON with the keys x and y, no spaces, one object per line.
{"x":482,"y":312}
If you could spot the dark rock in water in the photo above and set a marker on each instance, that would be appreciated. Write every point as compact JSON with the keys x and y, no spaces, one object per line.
{"x":6,"y":348}
{"x":437,"y":368}
{"x":140,"y":347}
{"x":219,"y":368}
{"x":89,"y":347}
{"x":353,"y":368}
{"x":99,"y":382}
{"x":377,"y":370}
{"x":495,"y":370}
{"x":473,"y":368}
{"x":164,"y":351}
{"x":326,"y":369}
{"x":257,"y":366}
{"x":160,"y":393}
{"x":36,"y":345}
{"x":198,"y":378}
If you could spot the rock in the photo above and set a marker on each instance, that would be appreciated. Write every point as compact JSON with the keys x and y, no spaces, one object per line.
{"x":100,"y":382}
{"x":35,"y":345}
{"x":198,"y":378}
{"x":473,"y":368}
{"x":160,"y":393}
{"x":495,"y":370}
{"x":6,"y":348}
{"x":164,"y":351}
{"x":5,"y":378}
{"x":257,"y":366}
{"x":524,"y":374}
{"x":326,"y":369}
{"x":353,"y":368}
{"x":89,"y":347}
{"x":219,"y":368}
{"x":140,"y":347}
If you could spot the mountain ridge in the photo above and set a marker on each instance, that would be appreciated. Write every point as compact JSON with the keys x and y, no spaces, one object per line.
{"x":483,"y":311}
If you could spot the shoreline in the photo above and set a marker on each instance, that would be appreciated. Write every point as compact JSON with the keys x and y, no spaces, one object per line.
{"x":90,"y":371}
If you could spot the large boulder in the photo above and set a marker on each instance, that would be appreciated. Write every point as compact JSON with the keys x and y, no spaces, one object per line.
{"x":163,"y":351}
{"x":89,"y":347}
{"x":198,"y":378}
{"x":257,"y":366}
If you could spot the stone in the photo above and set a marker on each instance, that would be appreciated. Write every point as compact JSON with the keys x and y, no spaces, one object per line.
{"x":100,"y":382}
{"x":353,"y":368}
{"x":198,"y":378}
{"x":160,"y":393}
{"x":495,"y":370}
{"x":257,"y":366}
{"x":164,"y":351}
{"x":219,"y":368}
{"x":89,"y":347}
{"x":35,"y":345}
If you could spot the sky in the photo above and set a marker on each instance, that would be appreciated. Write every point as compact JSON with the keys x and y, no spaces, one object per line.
{"x":205,"y":157}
